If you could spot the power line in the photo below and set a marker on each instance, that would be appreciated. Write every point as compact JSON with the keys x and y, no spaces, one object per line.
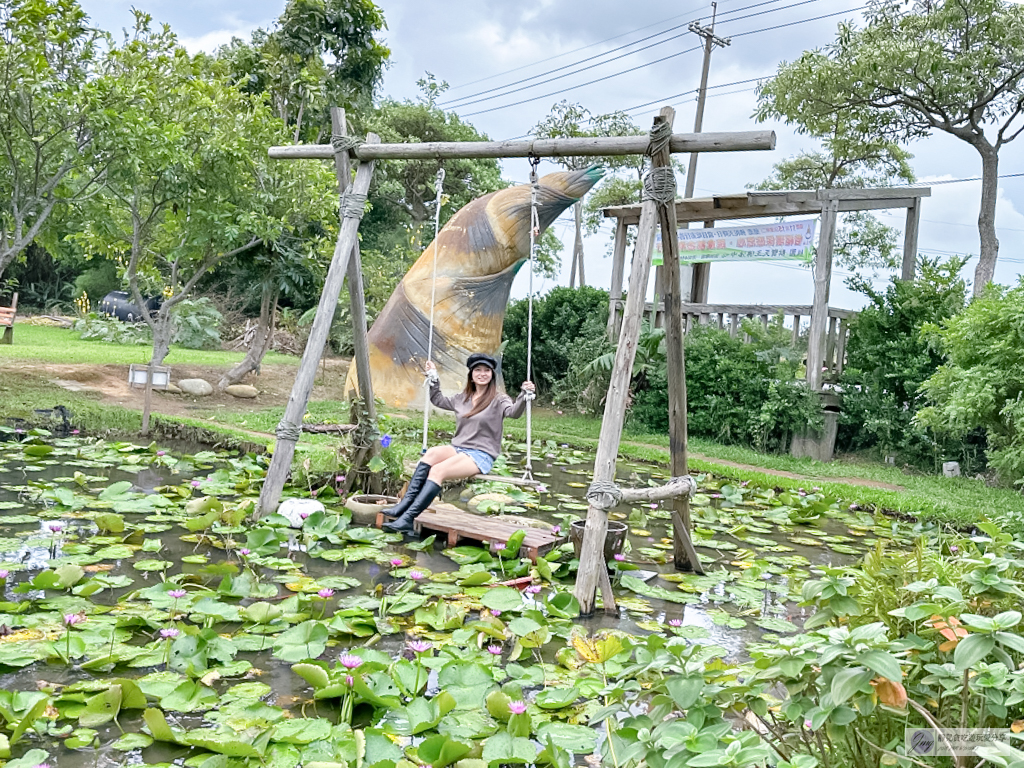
{"x":601,"y":42}
{"x":453,"y":103}
{"x":583,"y":85}
{"x":650,"y":63}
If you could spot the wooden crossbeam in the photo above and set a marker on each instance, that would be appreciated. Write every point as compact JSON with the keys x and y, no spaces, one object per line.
{"x":596,"y":146}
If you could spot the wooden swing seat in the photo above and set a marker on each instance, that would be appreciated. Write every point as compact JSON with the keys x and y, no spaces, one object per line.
{"x":458,"y":525}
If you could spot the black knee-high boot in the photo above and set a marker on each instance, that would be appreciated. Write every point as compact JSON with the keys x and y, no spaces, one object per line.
{"x":404,"y":523}
{"x":419,"y":475}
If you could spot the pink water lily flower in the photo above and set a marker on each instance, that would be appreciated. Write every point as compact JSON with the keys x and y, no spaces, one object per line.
{"x":71,"y":619}
{"x":494,"y":650}
{"x":420,"y":646}
{"x":169,"y":632}
{"x":348,"y":661}
{"x":417,"y":575}
{"x":177,"y":594}
{"x":517,"y":707}
{"x":326,"y":592}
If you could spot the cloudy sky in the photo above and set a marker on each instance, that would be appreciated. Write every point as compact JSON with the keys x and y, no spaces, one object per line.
{"x":507,"y":62}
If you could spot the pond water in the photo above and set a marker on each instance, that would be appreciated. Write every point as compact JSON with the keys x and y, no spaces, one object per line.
{"x":107,"y":532}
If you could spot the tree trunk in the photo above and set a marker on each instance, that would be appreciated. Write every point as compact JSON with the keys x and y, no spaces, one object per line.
{"x":986,"y":270}
{"x":263,"y":338}
{"x":163,"y":329}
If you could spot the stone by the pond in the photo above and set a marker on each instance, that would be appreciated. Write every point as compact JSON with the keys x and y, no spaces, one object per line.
{"x":196,"y":387}
{"x":297,"y":510}
{"x":242,"y":390}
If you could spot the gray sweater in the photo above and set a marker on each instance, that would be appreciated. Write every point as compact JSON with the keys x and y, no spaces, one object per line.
{"x":481,"y":432}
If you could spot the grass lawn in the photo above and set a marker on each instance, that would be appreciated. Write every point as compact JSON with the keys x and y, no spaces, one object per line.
{"x":50,"y":344}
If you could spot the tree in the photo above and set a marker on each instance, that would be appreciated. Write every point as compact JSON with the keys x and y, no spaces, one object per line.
{"x":191,"y":184}
{"x":569,"y":120}
{"x":955,"y":66}
{"x":288,"y":267}
{"x":861,"y":241}
{"x":47,"y":53}
{"x":321,"y":54}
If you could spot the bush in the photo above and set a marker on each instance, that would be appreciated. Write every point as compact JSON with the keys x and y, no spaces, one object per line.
{"x":196,"y":324}
{"x":981,"y":383}
{"x":568,"y":330}
{"x":888,"y":359}
{"x":96,"y":327}
{"x":737,"y":392}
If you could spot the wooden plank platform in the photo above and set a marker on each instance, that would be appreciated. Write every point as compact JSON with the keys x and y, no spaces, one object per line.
{"x":458,"y":525}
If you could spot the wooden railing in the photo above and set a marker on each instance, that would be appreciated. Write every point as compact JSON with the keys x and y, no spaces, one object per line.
{"x":730,"y":316}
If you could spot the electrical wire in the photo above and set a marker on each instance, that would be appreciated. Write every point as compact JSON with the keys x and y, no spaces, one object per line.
{"x":606,"y":40}
{"x":471,"y":99}
{"x":650,"y":63}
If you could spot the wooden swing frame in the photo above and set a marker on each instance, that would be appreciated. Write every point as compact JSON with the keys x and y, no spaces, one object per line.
{"x":593,"y":571}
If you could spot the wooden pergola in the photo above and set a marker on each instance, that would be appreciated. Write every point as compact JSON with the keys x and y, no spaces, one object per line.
{"x":827,"y":333}
{"x":656,"y":212}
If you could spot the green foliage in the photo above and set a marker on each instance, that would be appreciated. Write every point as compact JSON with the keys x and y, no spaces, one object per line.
{"x":47,"y":58}
{"x":888,"y":359}
{"x":321,"y":53}
{"x":178,"y":120}
{"x":196,"y":324}
{"x":566,"y":323}
{"x":96,"y":327}
{"x":981,"y":382}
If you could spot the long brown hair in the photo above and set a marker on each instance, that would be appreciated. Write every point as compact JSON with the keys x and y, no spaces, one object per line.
{"x":490,"y":392}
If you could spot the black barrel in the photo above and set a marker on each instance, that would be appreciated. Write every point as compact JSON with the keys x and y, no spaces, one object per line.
{"x":120,"y":305}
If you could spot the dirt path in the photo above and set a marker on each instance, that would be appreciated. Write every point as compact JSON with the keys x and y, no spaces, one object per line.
{"x":794,"y":476}
{"x":109,"y":382}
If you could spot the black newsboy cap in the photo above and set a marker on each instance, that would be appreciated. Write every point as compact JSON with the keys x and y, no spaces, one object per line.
{"x":481,"y":358}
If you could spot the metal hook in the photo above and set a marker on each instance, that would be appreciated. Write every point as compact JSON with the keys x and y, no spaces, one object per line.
{"x":534,"y":162}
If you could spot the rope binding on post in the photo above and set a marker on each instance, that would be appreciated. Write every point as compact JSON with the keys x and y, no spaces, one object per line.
{"x":345,"y":143}
{"x":438,"y":193}
{"x":603,"y":495}
{"x":286,"y":430}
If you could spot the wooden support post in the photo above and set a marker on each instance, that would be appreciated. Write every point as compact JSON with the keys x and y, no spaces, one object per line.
{"x":684,"y":554}
{"x":844,"y":332}
{"x":290,"y":426}
{"x":593,"y":570}
{"x":360,"y":343}
{"x":830,"y":344}
{"x":819,"y":307}
{"x":147,"y":401}
{"x":910,"y":240}
{"x":796,"y":330}
{"x":618,"y":266}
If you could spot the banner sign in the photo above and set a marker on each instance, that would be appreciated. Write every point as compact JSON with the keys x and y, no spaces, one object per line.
{"x":792,"y":240}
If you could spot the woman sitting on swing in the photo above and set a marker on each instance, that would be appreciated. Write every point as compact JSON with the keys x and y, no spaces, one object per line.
{"x":479,"y":413}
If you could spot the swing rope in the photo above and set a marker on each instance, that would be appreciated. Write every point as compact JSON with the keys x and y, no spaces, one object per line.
{"x":534,"y":234}
{"x":438,"y":188}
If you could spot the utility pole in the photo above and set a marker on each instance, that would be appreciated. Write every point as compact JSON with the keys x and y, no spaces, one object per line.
{"x":700,"y":274}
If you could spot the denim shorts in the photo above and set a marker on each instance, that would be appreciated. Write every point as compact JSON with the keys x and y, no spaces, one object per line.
{"x":484,"y":461}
